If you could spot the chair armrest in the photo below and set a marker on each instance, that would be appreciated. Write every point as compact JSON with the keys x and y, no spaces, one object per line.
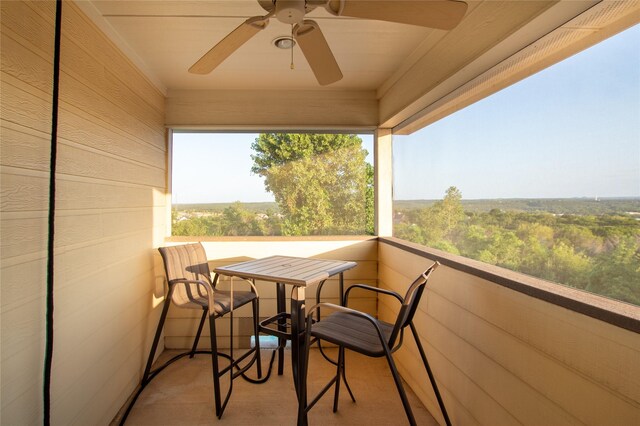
{"x":374,"y":289}
{"x":218,"y":279}
{"x":207,"y":287}
{"x":205,"y":284}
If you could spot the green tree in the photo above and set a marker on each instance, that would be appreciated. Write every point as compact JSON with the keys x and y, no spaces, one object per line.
{"x":617,"y":274}
{"x":439,"y":220}
{"x":568,"y":267}
{"x":239,"y":221}
{"x":410,"y":232}
{"x":597,"y":253}
{"x":321,"y":182}
{"x":196,"y":226}
{"x":450,"y":208}
{"x":472,"y":240}
{"x":504,"y":249}
{"x":369,"y":198}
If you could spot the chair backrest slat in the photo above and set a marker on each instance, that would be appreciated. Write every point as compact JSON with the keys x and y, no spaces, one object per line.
{"x":410,"y":303}
{"x":187,"y":261}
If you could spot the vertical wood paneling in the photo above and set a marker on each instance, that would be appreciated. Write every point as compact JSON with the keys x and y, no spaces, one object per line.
{"x":502,"y":357}
{"x":110,"y":216}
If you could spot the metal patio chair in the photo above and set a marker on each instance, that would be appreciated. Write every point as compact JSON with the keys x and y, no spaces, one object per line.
{"x":360,"y":332}
{"x":190,"y":286}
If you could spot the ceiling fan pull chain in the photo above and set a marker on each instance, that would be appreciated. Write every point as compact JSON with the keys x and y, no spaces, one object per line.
{"x":292,"y":43}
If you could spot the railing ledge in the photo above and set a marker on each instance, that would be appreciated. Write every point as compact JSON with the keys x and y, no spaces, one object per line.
{"x":620,"y":314}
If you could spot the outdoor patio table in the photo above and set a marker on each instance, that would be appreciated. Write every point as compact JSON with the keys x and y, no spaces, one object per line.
{"x":299,"y":273}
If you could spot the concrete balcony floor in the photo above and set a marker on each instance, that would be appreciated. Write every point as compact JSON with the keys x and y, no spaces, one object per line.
{"x":183,"y":394}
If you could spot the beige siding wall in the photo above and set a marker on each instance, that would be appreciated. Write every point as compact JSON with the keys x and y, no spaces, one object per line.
{"x":269,"y":108}
{"x":182,"y":323}
{"x":25,"y":102}
{"x":501,"y":357}
{"x":110,"y":214}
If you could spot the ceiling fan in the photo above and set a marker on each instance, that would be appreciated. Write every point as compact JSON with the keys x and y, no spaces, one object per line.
{"x":439,"y":14}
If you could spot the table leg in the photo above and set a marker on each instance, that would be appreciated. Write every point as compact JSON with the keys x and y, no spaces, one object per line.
{"x":298,"y":349}
{"x":281,"y":307}
{"x":341,"y":288}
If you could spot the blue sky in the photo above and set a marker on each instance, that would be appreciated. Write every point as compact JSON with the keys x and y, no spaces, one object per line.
{"x":572,"y":130}
{"x":216,"y":168}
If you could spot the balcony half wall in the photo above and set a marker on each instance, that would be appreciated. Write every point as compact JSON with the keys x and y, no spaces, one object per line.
{"x":502,"y":356}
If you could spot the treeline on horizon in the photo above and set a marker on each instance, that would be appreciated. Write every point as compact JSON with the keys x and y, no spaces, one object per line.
{"x":591,"y":251}
{"x":579,"y":206}
{"x":586,"y":244}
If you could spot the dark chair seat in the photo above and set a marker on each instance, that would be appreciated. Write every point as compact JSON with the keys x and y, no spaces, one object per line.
{"x":353,"y":332}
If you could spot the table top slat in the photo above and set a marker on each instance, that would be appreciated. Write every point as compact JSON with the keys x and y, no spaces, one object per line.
{"x":287,"y":269}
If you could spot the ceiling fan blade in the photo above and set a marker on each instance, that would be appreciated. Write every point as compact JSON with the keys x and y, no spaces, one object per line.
{"x":236,"y":38}
{"x":439,"y":14}
{"x":317,"y":52}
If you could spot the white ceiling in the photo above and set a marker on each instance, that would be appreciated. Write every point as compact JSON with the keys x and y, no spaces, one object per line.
{"x":169,"y":36}
{"x":394,"y":72}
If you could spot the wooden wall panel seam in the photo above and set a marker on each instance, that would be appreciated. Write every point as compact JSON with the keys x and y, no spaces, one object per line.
{"x":19,"y":303}
{"x":20,"y":171}
{"x":576,"y":413}
{"x":543,"y":354}
{"x":98,"y":138}
{"x":66,"y":177}
{"x":23,"y":68}
{"x":19,"y":128}
{"x":74,"y":20}
{"x":69,"y":398}
{"x":93,"y":337}
{"x":27,"y":44}
{"x":17,"y":98}
{"x":25,"y":87}
{"x":87,"y":148}
{"x":158,"y":143}
{"x":73,"y":160}
{"x":45,"y":24}
{"x":99,"y":85}
{"x":423,"y":311}
{"x":74,"y":92}
{"x":433,"y":292}
{"x":430,"y":349}
{"x":542,"y":351}
{"x":491,"y":361}
{"x":39,"y":8}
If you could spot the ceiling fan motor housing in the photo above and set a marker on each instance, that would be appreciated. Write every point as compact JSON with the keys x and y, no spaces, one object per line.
{"x":290,"y":11}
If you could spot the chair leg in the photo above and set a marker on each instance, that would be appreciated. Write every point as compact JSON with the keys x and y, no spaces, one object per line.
{"x":303,"y":407}
{"x":256,"y":333}
{"x":156,"y":339}
{"x":280,"y":307}
{"x":338,"y":376}
{"x":398,"y":381}
{"x":344,"y":379}
{"x":197,"y":339}
{"x":214,"y":365}
{"x":431,"y":377}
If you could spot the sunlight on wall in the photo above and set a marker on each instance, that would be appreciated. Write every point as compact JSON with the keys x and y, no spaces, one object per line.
{"x":159,"y":233}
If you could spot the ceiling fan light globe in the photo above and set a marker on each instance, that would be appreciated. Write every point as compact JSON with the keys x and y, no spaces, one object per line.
{"x":290,"y":11}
